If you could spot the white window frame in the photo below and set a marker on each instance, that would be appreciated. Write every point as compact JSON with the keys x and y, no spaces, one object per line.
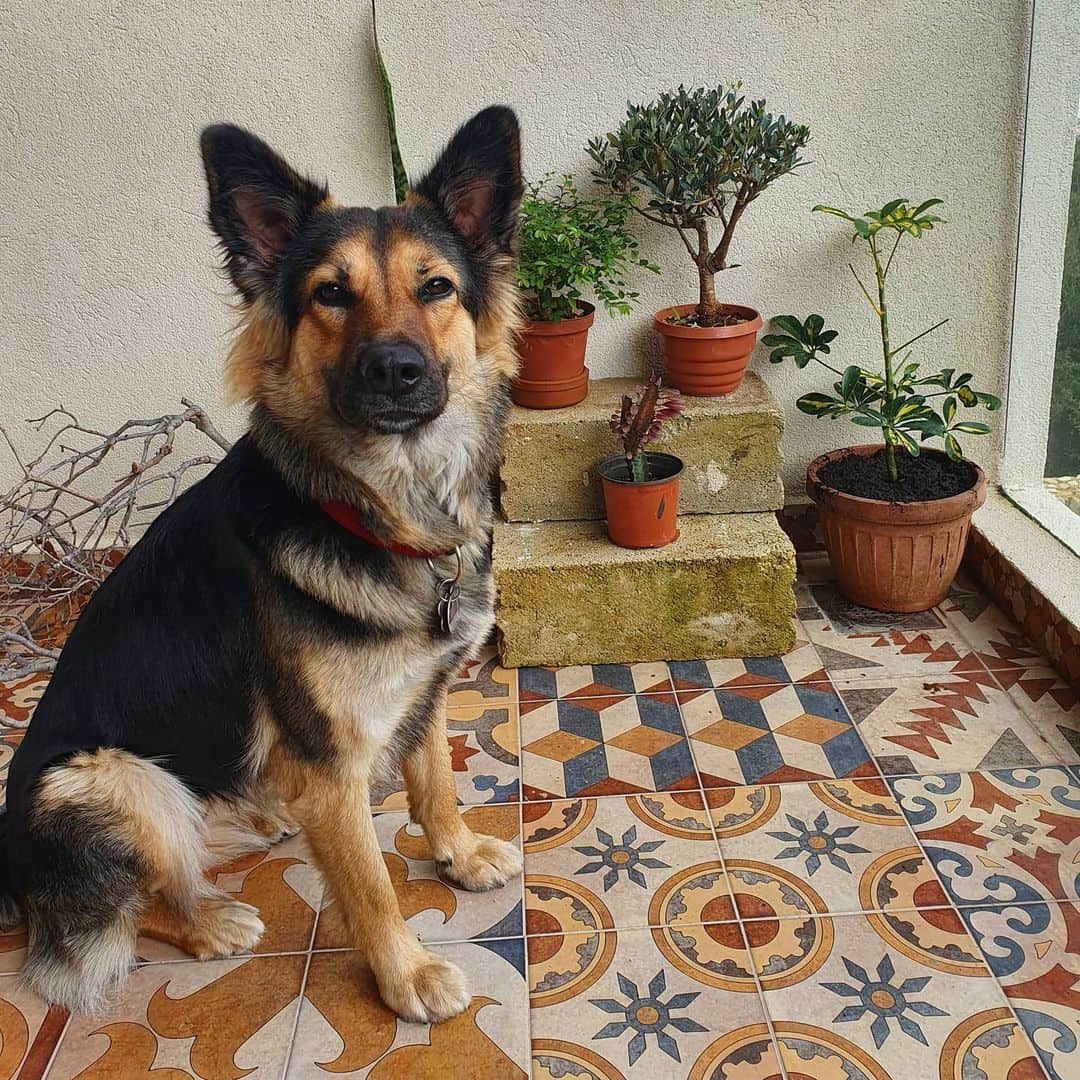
{"x":1050,"y":131}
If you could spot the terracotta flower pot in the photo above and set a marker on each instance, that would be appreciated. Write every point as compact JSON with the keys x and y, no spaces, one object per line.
{"x":893,"y":556}
{"x":642,"y":515}
{"x":707,"y":361}
{"x":553,"y":373}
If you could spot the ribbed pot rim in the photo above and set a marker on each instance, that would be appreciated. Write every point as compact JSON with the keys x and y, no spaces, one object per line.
{"x":752,"y":324}
{"x":545,"y":328}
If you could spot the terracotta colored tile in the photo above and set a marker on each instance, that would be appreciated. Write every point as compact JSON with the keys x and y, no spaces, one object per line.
{"x":29,"y":1030}
{"x":796,"y":731}
{"x":613,"y":682}
{"x":1007,"y":836}
{"x":801,"y":664}
{"x":434,"y":909}
{"x":851,"y":992}
{"x":19,"y":698}
{"x":1035,"y":953}
{"x":839,"y":846}
{"x":484,"y":680}
{"x":856,"y":643}
{"x":998,"y":642}
{"x":633,"y":862}
{"x":223,"y":1019}
{"x":602,"y":746}
{"x":483,"y":738}
{"x":942,"y":723}
{"x":646,"y":1004}
{"x":1052,"y":707}
{"x":344,"y":1029}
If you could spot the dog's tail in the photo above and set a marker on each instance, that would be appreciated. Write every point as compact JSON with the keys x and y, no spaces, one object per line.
{"x":10,"y":909}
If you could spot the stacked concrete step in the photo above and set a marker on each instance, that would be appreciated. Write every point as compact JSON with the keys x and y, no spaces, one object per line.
{"x":567,"y":595}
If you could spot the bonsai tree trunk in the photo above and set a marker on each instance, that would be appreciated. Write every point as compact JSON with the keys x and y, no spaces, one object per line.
{"x":708,"y":311}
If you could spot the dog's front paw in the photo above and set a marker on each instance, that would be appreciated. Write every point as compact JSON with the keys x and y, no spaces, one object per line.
{"x":488,"y":864}
{"x":424,"y":991}
{"x":224,"y":928}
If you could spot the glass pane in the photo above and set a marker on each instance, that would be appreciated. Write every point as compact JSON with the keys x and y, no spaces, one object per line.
{"x":1063,"y":445}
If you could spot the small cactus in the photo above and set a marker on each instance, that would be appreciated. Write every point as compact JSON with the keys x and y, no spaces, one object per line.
{"x":640,"y":420}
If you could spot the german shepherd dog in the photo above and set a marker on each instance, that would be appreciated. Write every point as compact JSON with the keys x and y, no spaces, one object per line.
{"x":290,"y":625}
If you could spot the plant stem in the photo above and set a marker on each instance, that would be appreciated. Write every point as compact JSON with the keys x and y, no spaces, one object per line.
{"x":890,"y":379}
{"x":707,"y":308}
{"x":639,"y":468}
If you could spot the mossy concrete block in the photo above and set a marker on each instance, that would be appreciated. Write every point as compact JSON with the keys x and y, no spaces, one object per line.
{"x":567,"y":595}
{"x":730,"y":446}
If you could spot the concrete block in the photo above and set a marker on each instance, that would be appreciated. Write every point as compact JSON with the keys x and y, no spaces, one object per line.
{"x":567,"y":595}
{"x":730,"y":445}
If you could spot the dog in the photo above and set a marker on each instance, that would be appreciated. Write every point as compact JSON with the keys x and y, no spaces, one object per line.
{"x":290,"y":625}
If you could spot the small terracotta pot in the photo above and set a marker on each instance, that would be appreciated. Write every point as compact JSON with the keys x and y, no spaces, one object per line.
{"x":553,"y":373}
{"x":893,"y":556}
{"x":707,"y":361}
{"x":642,"y":515}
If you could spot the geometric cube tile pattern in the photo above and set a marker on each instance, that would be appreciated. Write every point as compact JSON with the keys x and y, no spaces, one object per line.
{"x":857,"y":861}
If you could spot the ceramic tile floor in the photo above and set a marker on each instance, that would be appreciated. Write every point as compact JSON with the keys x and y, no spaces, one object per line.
{"x":859,"y":861}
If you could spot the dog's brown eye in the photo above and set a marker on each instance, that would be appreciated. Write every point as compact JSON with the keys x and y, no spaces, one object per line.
{"x":435,"y":287}
{"x":330,"y":294}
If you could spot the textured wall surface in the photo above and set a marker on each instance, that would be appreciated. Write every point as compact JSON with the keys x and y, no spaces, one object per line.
{"x":108,"y":297}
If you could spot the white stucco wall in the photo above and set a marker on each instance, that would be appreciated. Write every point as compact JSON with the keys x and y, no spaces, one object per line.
{"x":108,"y":298}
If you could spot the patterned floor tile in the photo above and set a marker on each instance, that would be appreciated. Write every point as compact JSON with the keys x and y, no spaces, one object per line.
{"x":345,"y":1031}
{"x":19,"y":698}
{"x":637,"y":1003}
{"x":1051,"y":706}
{"x":914,"y":724}
{"x":1007,"y":836}
{"x":282,"y":883}
{"x":216,"y":1019}
{"x":601,"y":746}
{"x":634,"y":862}
{"x":484,"y":680}
{"x":857,"y":643}
{"x":801,"y":664}
{"x":29,"y":1031}
{"x":435,"y":910}
{"x":848,"y":1001}
{"x":539,"y":685}
{"x":839,"y":846}
{"x":772,"y":733}
{"x":483,"y":752}
{"x":1035,"y":953}
{"x":998,"y":642}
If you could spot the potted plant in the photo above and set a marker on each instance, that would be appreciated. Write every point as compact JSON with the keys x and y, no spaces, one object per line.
{"x":568,"y":243}
{"x":895,"y":514}
{"x":641,"y":488}
{"x":698,"y":155}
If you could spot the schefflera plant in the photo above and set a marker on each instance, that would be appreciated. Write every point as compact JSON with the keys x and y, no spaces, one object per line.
{"x":640,"y":420}
{"x":907,"y":407}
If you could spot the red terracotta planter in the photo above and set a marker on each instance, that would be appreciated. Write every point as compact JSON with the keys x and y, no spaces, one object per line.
{"x":642,"y":515}
{"x":893,"y":556}
{"x":707,"y":361}
{"x":553,"y":373}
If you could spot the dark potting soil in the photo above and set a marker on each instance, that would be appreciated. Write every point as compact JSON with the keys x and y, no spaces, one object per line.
{"x":728,"y":319}
{"x":921,"y":479}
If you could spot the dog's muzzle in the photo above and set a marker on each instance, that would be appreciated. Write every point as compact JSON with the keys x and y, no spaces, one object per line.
{"x":390,"y":387}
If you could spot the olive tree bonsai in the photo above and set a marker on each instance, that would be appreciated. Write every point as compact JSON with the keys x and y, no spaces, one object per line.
{"x":697,"y":155}
{"x":896,"y":399}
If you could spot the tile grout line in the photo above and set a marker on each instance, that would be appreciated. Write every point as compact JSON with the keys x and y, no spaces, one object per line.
{"x":55,"y":1050}
{"x":521,"y":841}
{"x":303,"y":982}
{"x":774,"y":1042}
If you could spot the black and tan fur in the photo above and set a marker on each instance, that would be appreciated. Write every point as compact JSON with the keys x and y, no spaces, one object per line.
{"x":251,"y":665}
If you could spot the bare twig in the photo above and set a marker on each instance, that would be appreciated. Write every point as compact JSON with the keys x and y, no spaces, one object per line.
{"x":60,"y":536}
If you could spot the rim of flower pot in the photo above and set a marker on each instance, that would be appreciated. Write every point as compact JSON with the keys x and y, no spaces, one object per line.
{"x":751,"y":325}
{"x":670,"y":461}
{"x":548,"y":328}
{"x":923,"y":512}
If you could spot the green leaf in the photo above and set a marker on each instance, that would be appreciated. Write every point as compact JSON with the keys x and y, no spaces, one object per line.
{"x":972,"y":427}
{"x":967,"y":396}
{"x":851,"y":379}
{"x":790,"y":325}
{"x":867,"y":421}
{"x":952,"y":448}
{"x":948,"y":409}
{"x":816,"y":404}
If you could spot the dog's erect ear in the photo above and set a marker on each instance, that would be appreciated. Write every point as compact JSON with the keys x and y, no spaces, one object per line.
{"x":257,"y":203}
{"x":476,"y":182}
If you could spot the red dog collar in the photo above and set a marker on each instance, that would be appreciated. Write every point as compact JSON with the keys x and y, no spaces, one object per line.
{"x":348,"y":517}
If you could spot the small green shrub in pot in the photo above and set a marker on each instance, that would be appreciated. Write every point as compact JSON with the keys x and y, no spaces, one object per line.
{"x":569,"y":245}
{"x":895,"y":515}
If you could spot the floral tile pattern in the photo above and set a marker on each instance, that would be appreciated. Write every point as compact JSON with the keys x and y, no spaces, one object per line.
{"x":839,"y":846}
{"x":604,"y":746}
{"x":631,"y":1004}
{"x":860,"y":860}
{"x":634,"y":862}
{"x":847,"y":1001}
{"x":435,"y":910}
{"x":1007,"y":836}
{"x":345,"y":1030}
{"x":1035,"y":953}
{"x":915,"y":724}
{"x":772,"y":732}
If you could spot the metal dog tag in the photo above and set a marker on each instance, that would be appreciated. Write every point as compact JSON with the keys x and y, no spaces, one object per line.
{"x":449,"y":594}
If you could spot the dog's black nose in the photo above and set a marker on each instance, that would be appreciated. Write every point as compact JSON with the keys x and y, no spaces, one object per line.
{"x":391,"y":369}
